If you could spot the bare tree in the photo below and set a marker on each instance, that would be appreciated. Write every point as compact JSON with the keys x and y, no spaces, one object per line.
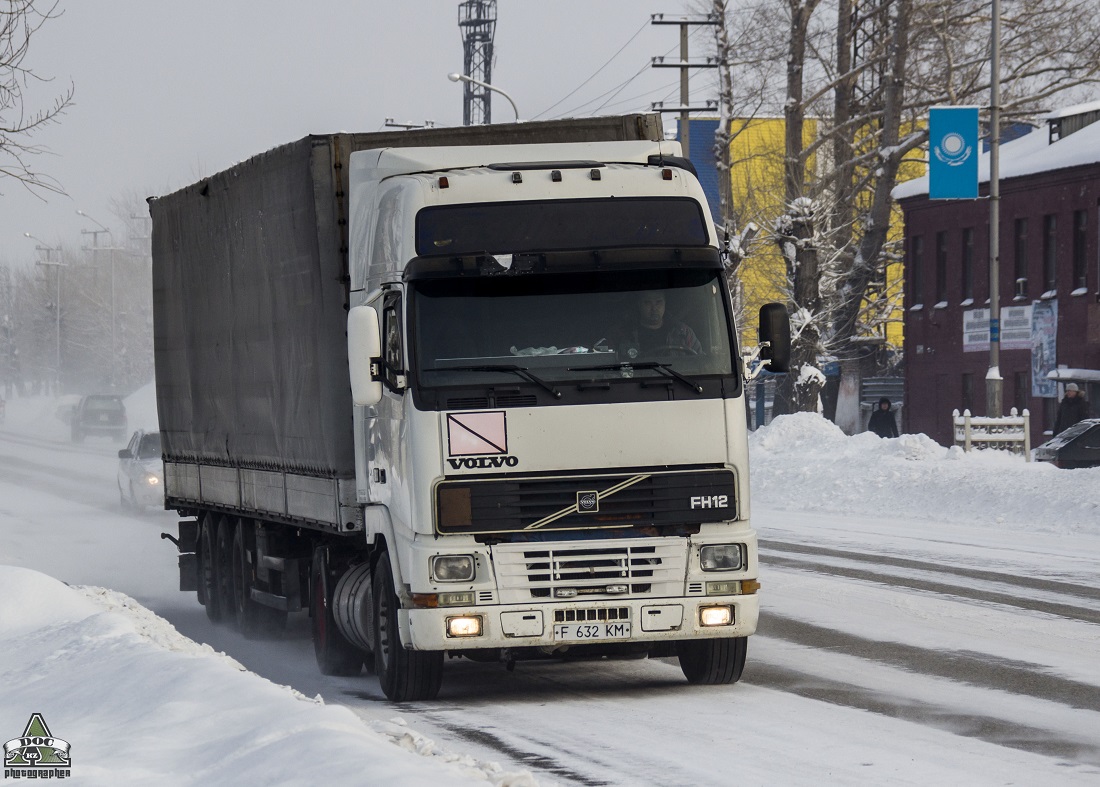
{"x":20,"y":20}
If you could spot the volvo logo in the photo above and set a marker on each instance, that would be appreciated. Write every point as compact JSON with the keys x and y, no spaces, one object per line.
{"x":588,"y":502}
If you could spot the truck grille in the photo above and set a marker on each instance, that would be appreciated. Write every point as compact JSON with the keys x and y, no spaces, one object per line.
{"x":601,"y":569}
{"x":586,"y":502}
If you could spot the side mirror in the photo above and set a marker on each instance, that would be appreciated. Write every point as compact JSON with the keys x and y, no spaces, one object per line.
{"x":125,"y":454}
{"x":364,"y":356}
{"x":775,"y":329}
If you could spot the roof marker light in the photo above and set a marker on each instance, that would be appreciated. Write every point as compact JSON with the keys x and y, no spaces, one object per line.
{"x":555,"y":175}
{"x":666,"y":174}
{"x":444,"y":183}
{"x":594,"y":174}
{"x":517,"y":178}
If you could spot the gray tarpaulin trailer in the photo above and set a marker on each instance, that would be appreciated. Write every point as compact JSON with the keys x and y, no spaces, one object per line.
{"x":250,"y":288}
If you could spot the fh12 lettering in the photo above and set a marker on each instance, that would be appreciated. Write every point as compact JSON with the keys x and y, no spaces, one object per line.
{"x":710,"y":501}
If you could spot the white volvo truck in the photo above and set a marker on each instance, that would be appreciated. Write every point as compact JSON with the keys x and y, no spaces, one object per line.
{"x":490,"y":405}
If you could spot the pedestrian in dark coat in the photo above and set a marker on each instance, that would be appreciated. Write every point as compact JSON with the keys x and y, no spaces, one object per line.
{"x":882,"y":420}
{"x":1073,"y":408}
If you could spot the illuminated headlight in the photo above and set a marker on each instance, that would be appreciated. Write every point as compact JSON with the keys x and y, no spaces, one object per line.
{"x":152,"y":480}
{"x":715,"y":616}
{"x":720,"y":557}
{"x":453,"y":568}
{"x":464,"y":626}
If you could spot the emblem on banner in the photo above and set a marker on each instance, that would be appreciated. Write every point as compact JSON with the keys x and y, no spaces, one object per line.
{"x":953,"y":150}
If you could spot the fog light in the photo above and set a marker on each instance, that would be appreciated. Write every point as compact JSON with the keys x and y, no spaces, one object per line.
{"x":453,"y":568}
{"x":465,"y":626}
{"x":715,"y":616}
{"x":152,"y":480}
{"x":720,"y":557}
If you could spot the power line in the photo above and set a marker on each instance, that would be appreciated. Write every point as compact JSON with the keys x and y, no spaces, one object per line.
{"x":597,"y":71}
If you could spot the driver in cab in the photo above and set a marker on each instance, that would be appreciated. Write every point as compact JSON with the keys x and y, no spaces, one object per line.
{"x":649,"y":333}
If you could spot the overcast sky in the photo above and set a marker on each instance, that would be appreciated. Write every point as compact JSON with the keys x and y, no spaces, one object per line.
{"x":167,"y":93}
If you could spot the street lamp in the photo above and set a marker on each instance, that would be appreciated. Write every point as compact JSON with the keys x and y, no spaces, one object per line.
{"x":95,"y":257}
{"x":43,"y":246}
{"x":487,"y":86}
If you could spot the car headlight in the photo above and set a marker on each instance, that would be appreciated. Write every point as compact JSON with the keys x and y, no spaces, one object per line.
{"x":452,"y":568}
{"x":152,"y":480}
{"x":721,"y":557}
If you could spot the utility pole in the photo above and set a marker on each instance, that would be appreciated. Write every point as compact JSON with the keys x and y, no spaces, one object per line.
{"x":47,"y":249}
{"x":95,"y":260}
{"x":993,"y":380}
{"x":685,"y":65}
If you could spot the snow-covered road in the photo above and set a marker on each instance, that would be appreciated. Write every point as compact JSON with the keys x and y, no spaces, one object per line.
{"x":904,"y":638}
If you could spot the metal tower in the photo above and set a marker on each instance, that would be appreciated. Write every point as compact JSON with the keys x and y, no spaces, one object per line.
{"x":477,"y":21}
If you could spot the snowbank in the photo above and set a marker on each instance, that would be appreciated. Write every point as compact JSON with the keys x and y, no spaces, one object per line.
{"x":140,"y":704}
{"x":805,"y":462}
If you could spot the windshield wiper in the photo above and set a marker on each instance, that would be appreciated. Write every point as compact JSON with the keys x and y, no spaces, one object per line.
{"x":503,"y":367}
{"x":662,"y":368}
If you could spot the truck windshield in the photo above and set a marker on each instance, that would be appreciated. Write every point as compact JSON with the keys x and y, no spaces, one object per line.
{"x":563,"y":329}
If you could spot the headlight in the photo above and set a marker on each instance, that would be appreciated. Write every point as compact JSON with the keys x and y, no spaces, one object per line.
{"x":720,"y":557}
{"x":464,"y":626}
{"x":452,"y":568}
{"x":152,"y":481}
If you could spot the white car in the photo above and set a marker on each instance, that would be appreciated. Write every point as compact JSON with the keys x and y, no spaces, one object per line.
{"x":141,"y":471}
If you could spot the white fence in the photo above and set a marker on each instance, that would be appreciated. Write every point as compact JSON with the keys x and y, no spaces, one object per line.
{"x":1011,"y":433}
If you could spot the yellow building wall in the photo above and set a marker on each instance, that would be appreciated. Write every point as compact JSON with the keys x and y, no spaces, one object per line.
{"x":756,"y":176}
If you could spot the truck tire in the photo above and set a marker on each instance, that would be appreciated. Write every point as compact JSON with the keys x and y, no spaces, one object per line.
{"x":223,"y":557}
{"x":404,"y":675}
{"x":250,"y":615}
{"x":208,"y":568}
{"x":713,"y":662}
{"x":335,"y":655}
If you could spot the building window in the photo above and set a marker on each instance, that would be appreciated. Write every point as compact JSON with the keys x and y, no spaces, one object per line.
{"x":1080,"y":238}
{"x":916,"y":271}
{"x":1021,"y":258}
{"x":968,"y":392}
{"x":968,"y":265}
{"x":1050,"y":253}
{"x":941,"y":269}
{"x":1021,"y":390}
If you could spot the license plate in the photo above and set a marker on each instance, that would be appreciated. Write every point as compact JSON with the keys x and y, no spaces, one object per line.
{"x":582,"y":632}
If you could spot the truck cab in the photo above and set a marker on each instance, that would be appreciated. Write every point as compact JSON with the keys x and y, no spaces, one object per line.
{"x":550,"y":429}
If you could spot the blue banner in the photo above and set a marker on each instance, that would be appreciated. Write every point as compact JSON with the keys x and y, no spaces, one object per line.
{"x":953,"y":153}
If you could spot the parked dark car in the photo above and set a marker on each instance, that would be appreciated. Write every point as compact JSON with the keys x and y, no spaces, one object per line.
{"x":1077,"y":446}
{"x":99,"y":415}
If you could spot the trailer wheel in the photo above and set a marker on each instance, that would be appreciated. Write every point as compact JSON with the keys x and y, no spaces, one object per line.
{"x":250,"y":615}
{"x":208,"y":568}
{"x":223,"y":557}
{"x":335,"y":655}
{"x":713,"y":662}
{"x":405,"y":675}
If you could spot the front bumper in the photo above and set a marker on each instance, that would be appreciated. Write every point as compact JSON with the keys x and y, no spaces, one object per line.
{"x":532,"y":625}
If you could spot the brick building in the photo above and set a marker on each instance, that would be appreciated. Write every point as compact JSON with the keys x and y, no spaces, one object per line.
{"x":1049,"y":281}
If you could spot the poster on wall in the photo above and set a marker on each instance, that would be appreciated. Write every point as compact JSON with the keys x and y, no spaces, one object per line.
{"x":1044,"y":348}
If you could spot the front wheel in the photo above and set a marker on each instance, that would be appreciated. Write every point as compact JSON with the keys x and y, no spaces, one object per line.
{"x":713,"y":662}
{"x":405,"y":675}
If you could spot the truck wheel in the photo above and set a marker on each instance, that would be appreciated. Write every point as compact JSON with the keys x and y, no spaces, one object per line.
{"x":208,"y":568}
{"x":405,"y":675}
{"x":335,"y":655}
{"x":713,"y":662}
{"x":223,"y":556}
{"x":250,"y":615}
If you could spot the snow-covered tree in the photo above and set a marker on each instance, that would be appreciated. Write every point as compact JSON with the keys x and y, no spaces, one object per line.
{"x":866,"y":72}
